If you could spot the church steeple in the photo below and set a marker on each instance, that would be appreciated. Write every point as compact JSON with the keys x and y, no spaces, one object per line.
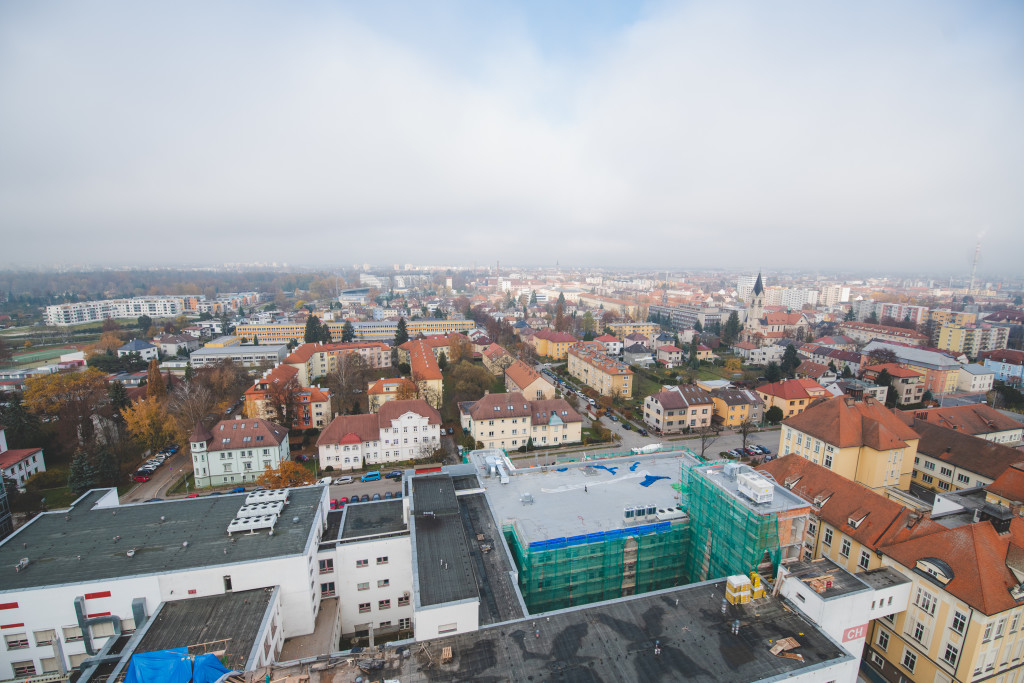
{"x":755,"y":306}
{"x":758,"y":287}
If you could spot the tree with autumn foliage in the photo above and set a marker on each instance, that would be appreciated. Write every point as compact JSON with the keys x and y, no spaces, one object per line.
{"x":155,"y":387}
{"x":70,"y":398}
{"x":149,"y":423}
{"x":285,"y":475}
{"x":459,"y":348}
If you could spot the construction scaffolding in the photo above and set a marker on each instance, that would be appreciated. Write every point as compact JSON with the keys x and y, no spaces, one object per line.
{"x":563,"y":572}
{"x":727,"y":535}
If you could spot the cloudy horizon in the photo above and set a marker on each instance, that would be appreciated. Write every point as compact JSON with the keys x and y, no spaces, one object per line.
{"x":664,"y":134}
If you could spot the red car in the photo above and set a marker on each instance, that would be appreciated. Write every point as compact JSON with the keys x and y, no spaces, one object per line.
{"x":141,"y":476}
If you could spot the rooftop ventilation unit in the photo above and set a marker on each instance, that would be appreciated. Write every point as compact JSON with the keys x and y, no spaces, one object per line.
{"x":252,"y":524}
{"x":260,"y":509}
{"x":267,"y":496}
{"x":755,"y":487}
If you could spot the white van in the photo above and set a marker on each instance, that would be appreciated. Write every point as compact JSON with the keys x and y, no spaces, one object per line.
{"x":326,"y":481}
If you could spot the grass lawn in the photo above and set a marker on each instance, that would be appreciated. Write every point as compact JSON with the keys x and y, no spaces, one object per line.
{"x":180,"y":486}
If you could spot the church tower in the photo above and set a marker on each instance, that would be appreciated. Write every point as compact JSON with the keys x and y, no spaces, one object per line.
{"x":755,"y":306}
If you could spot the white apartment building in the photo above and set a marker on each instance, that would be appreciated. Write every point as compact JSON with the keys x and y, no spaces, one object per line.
{"x":399,"y":431}
{"x":62,"y":315}
{"x":237,"y":451}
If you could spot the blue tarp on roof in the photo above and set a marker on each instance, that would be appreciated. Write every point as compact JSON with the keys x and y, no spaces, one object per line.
{"x":174,"y":666}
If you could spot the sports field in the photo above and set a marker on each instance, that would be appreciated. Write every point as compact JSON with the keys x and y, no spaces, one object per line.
{"x":41,"y":355}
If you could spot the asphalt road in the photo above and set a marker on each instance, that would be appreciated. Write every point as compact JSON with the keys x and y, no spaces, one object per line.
{"x":164,"y":478}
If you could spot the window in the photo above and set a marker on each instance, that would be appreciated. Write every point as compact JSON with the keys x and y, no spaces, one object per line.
{"x":963,"y":479}
{"x":227,"y":584}
{"x":828,"y":536}
{"x":382,"y":560}
{"x":865,"y":559}
{"x":927,"y":478}
{"x":988,"y":633}
{"x":24,"y":668}
{"x":383,"y":583}
{"x":1015,"y":623}
{"x":883,"y":640}
{"x":362,"y":563}
{"x":909,"y":660}
{"x":447,"y":628}
{"x":951,"y":653}
{"x":405,"y":623}
{"x":959,"y":622}
{"x":403,"y":601}
{"x":877,"y":660}
{"x":45,"y":637}
{"x":364,"y":586}
{"x":926,"y":601}
{"x":945,"y":471}
{"x":919,"y":631}
{"x":16,"y":641}
{"x":326,"y":566}
{"x":364,"y":607}
{"x":1000,"y":627}
{"x":327,"y":589}
{"x":828,"y":461}
{"x":72,"y":634}
{"x":384,"y":604}
{"x":844,"y":548}
{"x":928,"y":465}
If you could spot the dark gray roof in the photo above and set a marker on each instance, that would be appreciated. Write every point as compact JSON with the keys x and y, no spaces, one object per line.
{"x":372,"y":519}
{"x":136,"y":345}
{"x":79,"y":546}
{"x":233,"y":617}
{"x":444,"y":568}
{"x":615,"y":640}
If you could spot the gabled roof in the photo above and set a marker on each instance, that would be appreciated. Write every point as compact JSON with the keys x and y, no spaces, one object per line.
{"x":1009,"y":484}
{"x":792,"y":389}
{"x":606,"y":338}
{"x":844,"y":503}
{"x":494,"y":351}
{"x":970,"y":419}
{"x":200,"y":433}
{"x":16,"y":455}
{"x":976,"y":554}
{"x":523,"y":375}
{"x":636,"y":349}
{"x":497,"y":406}
{"x":669,"y":348}
{"x":963,"y":450}
{"x":136,"y":345}
{"x":843,"y":423}
{"x":781,"y":319}
{"x":544,"y":410}
{"x":351,"y":429}
{"x":1008,"y":356}
{"x":556,"y":337}
{"x":392,"y":410}
{"x":390,"y":385}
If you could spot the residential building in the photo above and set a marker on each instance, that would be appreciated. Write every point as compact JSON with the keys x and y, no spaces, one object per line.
{"x":247,"y":356}
{"x":319,"y":360}
{"x":509,"y":421}
{"x":401,"y":430}
{"x":836,"y":342}
{"x":621,"y":330}
{"x":734,"y":406}
{"x":849,"y":524}
{"x":704,"y":353}
{"x":964,"y":620}
{"x":1007,"y":364}
{"x":17,"y":464}
{"x":310,"y":407}
{"x":173,"y":344}
{"x":791,"y":396}
{"x":677,"y":409}
{"x":551,"y":344}
{"x":521,"y":378}
{"x":858,"y":389}
{"x":940,"y":369}
{"x":980,"y":420}
{"x":944,"y":316}
{"x":686,"y":316}
{"x":866,"y":332}
{"x":902,"y":312}
{"x":949,"y":460}
{"x":374,"y":330}
{"x":976,"y":379}
{"x":907,"y":384}
{"x":389,"y":389}
{"x":839,"y":358}
{"x":145,"y":350}
{"x":752,"y":354}
{"x":237,"y":451}
{"x":972,"y":340}
{"x":603,"y":374}
{"x":612,"y":345}
{"x":860,"y":440}
{"x":670,"y":356}
{"x":496,"y":358}
{"x":637,"y":354}
{"x":63,"y":315}
{"x":426,"y":373}
{"x":440,"y":344}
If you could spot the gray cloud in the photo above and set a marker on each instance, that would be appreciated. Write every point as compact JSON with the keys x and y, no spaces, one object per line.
{"x":702,"y":134}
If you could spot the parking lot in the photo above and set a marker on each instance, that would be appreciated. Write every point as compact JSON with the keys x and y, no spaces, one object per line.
{"x":367,"y":488}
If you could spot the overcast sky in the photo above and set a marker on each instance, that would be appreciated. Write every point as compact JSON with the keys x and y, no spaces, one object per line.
{"x":745,"y":134}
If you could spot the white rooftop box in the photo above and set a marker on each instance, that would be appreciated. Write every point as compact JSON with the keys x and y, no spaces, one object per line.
{"x":755,"y":487}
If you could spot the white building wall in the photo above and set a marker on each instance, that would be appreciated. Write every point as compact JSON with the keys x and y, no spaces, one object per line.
{"x":448,"y":619}
{"x":348,"y":575}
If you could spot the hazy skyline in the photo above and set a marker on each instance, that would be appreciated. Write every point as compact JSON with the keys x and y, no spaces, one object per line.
{"x":690,"y":134}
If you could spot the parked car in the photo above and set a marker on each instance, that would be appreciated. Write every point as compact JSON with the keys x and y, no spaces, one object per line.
{"x":375,"y":496}
{"x":344,"y":499}
{"x":371,"y":476}
{"x":393,"y":474}
{"x":364,"y":498}
{"x":302,"y":458}
{"x":237,"y":489}
{"x":343,"y":480}
{"x":326,"y":481}
{"x":614,"y":418}
{"x":627,"y":426}
{"x":141,"y":476}
{"x":387,"y":495}
{"x":643,"y":432}
{"x":192,"y":495}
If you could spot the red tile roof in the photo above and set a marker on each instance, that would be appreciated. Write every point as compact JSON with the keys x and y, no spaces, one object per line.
{"x":556,"y":337}
{"x":350,"y":429}
{"x":884,"y":329}
{"x":422,"y":362}
{"x":16,"y":455}
{"x":543,"y":410}
{"x":392,"y":410}
{"x":1009,"y":484}
{"x":963,"y":450}
{"x":497,"y":406}
{"x":843,"y":423}
{"x":1009,"y":356}
{"x":792,"y":389}
{"x":523,"y":375}
{"x":390,"y":385}
{"x":971,"y":419}
{"x":977,"y":554}
{"x":249,"y":432}
{"x":604,"y":338}
{"x":879,"y":520}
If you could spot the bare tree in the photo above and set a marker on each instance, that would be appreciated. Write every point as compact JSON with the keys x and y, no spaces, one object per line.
{"x":189,"y":404}
{"x":281,"y":397}
{"x":744,"y":429}
{"x":708,"y":434}
{"x":348,"y":382}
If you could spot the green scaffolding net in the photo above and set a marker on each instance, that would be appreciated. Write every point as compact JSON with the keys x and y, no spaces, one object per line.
{"x":563,"y":572}
{"x":726,"y":536}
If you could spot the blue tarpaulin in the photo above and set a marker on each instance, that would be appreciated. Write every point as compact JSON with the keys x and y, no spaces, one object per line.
{"x":173,"y":666}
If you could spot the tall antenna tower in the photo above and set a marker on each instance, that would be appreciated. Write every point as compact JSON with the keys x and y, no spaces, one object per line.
{"x":974,"y":267}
